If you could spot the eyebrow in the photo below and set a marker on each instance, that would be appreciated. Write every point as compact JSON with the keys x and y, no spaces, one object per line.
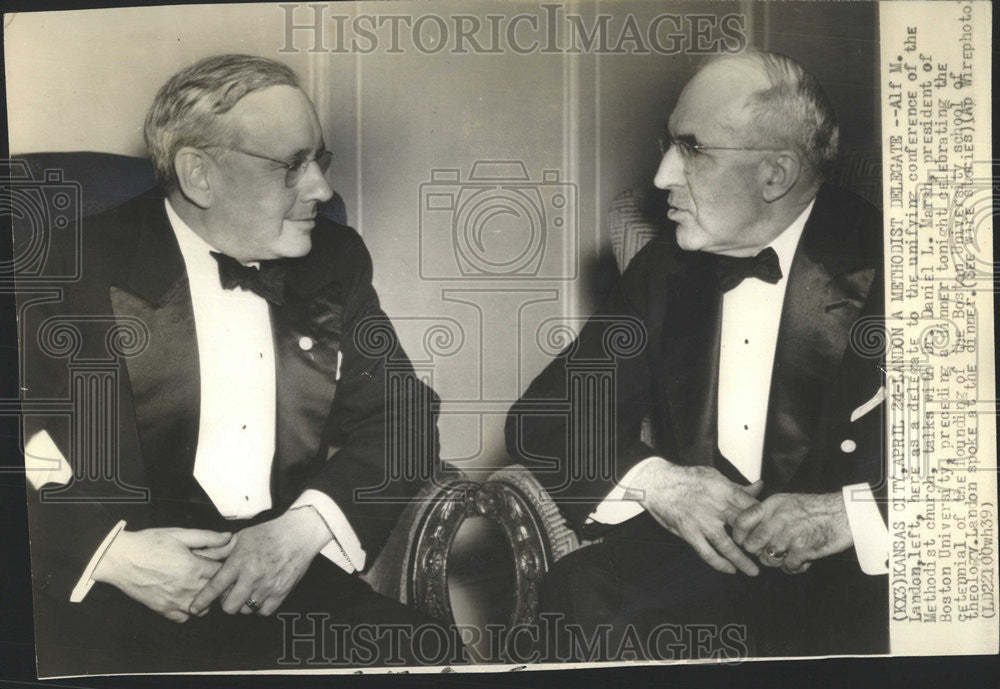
{"x":303,"y":153}
{"x":689,"y":139}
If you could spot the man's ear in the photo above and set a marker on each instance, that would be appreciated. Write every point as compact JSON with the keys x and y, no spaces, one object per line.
{"x":194,"y":176}
{"x":783,"y":171}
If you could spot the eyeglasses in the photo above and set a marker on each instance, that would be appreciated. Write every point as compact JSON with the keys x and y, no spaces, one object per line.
{"x":295,"y":170}
{"x":688,"y":150}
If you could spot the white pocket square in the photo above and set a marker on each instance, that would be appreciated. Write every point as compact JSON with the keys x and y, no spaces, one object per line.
{"x":869,"y":405}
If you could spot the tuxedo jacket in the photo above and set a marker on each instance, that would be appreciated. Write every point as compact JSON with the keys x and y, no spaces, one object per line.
{"x":659,"y":335}
{"x":114,"y":355}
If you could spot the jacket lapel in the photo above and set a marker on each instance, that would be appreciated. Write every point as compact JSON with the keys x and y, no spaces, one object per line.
{"x":164,"y":379}
{"x":828,"y":285}
{"x":690,"y":360}
{"x":307,"y":335}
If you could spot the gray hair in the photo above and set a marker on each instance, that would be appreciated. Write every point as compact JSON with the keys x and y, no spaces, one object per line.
{"x":793,"y":111}
{"x":185,"y":110}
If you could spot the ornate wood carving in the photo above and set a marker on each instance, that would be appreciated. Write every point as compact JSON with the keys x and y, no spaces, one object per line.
{"x":512,"y":498}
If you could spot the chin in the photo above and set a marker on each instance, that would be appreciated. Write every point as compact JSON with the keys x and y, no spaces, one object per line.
{"x":295,"y":249}
{"x":688,"y":239}
{"x":301,"y":250}
{"x":295,"y":240}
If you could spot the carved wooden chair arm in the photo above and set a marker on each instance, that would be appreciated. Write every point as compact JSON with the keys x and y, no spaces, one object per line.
{"x":413,"y":567}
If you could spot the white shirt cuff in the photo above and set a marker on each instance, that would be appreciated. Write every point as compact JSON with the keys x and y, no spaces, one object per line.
{"x":345,"y":549}
{"x":622,"y":503}
{"x":44,"y":463}
{"x":86,"y":582}
{"x":871,"y":536}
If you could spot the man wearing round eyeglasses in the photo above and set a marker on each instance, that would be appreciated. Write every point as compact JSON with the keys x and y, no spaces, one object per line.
{"x":250,"y":418}
{"x":259,"y":205}
{"x":733,"y":186}
{"x":748,"y":526}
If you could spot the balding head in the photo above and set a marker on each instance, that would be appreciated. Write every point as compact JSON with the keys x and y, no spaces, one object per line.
{"x":748,"y":145}
{"x":779,"y":104}
{"x":719,"y":97}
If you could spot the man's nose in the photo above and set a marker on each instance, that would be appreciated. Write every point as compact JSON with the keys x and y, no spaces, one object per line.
{"x":315,"y":184}
{"x":671,"y":170}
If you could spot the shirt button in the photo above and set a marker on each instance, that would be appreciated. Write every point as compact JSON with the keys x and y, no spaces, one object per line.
{"x":305,"y":343}
{"x":848,"y":446}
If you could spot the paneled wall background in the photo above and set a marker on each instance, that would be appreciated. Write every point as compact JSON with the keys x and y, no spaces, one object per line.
{"x":408,"y":129}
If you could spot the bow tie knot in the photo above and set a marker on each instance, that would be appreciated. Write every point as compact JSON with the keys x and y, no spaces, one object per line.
{"x":267,"y":281}
{"x":732,"y":270}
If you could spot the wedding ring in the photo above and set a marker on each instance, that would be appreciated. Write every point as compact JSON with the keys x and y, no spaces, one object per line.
{"x":773,"y":555}
{"x":252,"y":604}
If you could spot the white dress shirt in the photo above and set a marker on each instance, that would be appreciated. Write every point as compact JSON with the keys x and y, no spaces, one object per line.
{"x":236,"y":423}
{"x":236,"y":431}
{"x":751,"y":315}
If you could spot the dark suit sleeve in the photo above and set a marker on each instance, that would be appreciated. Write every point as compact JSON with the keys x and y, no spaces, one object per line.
{"x":577,"y":426}
{"x":66,"y":524}
{"x":381,"y":438}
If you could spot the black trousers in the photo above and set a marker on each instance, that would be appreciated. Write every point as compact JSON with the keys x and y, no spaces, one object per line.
{"x":331,"y":619}
{"x":643,"y":593}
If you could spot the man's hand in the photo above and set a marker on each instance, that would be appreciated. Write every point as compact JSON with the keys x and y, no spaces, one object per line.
{"x":265,"y":563}
{"x":790,"y":530}
{"x":696,"y":503}
{"x":158,"y":568}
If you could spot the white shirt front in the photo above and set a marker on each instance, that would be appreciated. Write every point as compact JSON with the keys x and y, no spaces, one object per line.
{"x":751,"y":314}
{"x":236,"y":428}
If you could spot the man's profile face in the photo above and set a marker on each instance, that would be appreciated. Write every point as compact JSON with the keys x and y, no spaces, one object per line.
{"x":252,"y":205}
{"x":715,"y":195}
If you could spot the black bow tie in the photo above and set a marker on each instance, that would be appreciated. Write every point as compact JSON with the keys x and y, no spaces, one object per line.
{"x":268,"y":281}
{"x":732,"y":271}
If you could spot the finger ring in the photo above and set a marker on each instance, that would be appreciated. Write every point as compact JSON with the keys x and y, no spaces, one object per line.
{"x":252,"y":604}
{"x":775,"y":555}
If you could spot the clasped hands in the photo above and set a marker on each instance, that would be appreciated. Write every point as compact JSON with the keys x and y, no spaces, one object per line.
{"x":180,"y":572}
{"x":786,"y":530}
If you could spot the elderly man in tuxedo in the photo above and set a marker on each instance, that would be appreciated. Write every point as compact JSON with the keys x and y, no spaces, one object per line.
{"x":249,"y":424}
{"x":750,"y":510}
